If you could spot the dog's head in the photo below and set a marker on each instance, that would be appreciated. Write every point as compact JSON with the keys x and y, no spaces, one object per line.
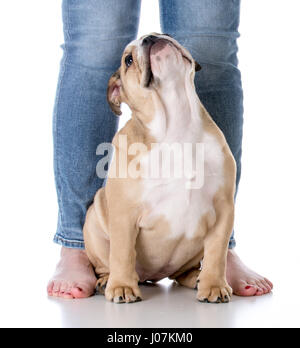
{"x":151,"y":63}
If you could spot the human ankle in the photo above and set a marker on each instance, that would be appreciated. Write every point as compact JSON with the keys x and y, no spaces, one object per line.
{"x":71,"y":251}
{"x":232,"y":253}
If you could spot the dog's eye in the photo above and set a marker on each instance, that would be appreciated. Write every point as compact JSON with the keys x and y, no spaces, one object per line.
{"x":128,"y":60}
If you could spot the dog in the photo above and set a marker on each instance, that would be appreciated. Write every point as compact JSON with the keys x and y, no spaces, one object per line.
{"x":144,"y":227}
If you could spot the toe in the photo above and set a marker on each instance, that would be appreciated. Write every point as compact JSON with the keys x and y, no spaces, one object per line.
{"x":269,"y":283}
{"x":226,"y":295}
{"x":129,"y":296}
{"x":245,"y":289}
{"x":50,"y":288}
{"x":56,"y":289}
{"x":203,"y":294}
{"x":266,"y":288}
{"x":79,"y":292}
{"x":260,"y":288}
{"x":119,"y":296}
{"x":215,"y":296}
{"x":63,"y":289}
{"x":67,"y":296}
{"x":259,"y":292}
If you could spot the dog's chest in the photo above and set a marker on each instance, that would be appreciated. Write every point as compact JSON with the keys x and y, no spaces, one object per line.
{"x":182,"y":199}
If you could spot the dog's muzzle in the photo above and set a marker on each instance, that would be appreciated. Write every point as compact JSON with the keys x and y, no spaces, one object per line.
{"x":147,"y":44}
{"x":147,"y":47}
{"x":147,"y":76}
{"x":150,"y":40}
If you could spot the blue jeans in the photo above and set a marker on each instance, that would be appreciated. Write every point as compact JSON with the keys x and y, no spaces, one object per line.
{"x":96,"y":33}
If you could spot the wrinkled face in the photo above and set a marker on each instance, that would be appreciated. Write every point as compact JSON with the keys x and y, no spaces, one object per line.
{"x":154,"y":62}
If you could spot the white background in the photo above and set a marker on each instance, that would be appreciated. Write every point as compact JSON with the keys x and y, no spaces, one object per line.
{"x":268,"y":208}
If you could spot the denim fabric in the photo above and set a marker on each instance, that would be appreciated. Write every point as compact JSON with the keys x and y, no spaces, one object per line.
{"x":209,"y":30}
{"x":96,"y":33}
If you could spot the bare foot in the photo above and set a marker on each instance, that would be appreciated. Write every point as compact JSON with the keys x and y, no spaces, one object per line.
{"x":74,"y":276}
{"x":243,"y":281}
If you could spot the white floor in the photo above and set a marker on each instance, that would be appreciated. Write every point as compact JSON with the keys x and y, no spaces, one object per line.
{"x":24,"y":303}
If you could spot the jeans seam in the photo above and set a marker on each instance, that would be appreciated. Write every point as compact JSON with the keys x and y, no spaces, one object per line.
{"x":68,"y":21}
{"x":57,"y":147}
{"x":68,"y":243}
{"x":57,"y":236}
{"x":219,"y":64}
{"x":112,"y":38}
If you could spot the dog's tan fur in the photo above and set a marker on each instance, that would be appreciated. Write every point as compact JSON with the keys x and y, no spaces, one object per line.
{"x":123,"y":243}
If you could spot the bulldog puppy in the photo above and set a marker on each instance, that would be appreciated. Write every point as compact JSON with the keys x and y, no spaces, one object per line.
{"x":147,"y":224}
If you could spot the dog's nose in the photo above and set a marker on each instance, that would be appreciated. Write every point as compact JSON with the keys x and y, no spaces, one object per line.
{"x":149,"y":40}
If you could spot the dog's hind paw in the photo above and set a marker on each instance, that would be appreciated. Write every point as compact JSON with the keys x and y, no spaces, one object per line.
{"x":101,"y":284}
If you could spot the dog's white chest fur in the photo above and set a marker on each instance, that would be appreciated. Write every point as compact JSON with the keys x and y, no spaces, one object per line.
{"x":170,"y":198}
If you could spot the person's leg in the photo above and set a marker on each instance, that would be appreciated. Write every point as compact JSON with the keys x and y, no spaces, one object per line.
{"x":209,"y":30}
{"x":96,"y":33}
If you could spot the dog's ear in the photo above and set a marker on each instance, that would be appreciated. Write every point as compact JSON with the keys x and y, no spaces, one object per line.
{"x":114,"y":93}
{"x":197,"y":66}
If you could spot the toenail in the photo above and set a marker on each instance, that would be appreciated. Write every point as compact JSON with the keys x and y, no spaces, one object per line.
{"x":248,"y":287}
{"x":204,"y":300}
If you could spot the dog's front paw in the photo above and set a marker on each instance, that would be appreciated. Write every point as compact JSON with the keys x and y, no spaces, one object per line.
{"x":214,"y":292}
{"x":118,"y":292}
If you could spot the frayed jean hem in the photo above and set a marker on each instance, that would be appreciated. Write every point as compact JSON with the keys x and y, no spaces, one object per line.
{"x":66,"y":243}
{"x":232,"y":244}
